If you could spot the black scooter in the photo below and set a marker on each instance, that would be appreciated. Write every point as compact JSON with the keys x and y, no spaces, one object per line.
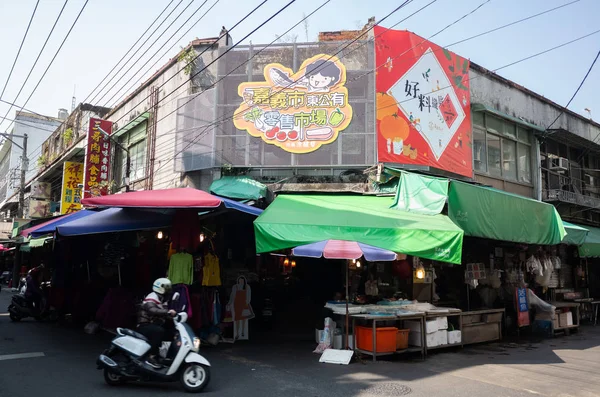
{"x":20,"y":307}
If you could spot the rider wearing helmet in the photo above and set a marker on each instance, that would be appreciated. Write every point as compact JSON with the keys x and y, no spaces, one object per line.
{"x":152,"y":316}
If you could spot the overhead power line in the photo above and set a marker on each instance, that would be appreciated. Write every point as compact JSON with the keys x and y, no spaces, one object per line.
{"x":130,"y":48}
{"x":55,"y":55}
{"x":38,"y":57}
{"x":158,"y":38}
{"x":20,"y":48}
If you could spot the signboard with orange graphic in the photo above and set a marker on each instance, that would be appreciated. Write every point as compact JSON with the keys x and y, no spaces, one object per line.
{"x":423,"y":103}
{"x":298,"y":112}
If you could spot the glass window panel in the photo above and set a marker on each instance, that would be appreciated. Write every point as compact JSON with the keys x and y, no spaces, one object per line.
{"x":524,"y":135}
{"x":478,"y":119}
{"x":524,"y":153}
{"x":510,"y":130}
{"x":494,"y":155}
{"x":509,"y":159}
{"x":479,"y":150}
{"x":494,"y":123}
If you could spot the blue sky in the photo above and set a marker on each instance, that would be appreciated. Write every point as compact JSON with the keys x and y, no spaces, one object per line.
{"x":108,"y":28}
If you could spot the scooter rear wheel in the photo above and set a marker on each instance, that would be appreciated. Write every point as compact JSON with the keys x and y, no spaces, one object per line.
{"x":14,"y":317}
{"x":195,"y":377}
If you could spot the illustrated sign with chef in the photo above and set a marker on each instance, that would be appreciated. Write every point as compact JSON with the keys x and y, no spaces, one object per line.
{"x":298,"y":112}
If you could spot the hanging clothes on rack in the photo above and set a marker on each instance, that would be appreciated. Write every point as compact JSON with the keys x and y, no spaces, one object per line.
{"x":211,"y":272}
{"x":181,"y":268}
{"x":183,"y":301}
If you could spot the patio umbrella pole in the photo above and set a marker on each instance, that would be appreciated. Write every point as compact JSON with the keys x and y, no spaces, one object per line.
{"x":347,"y":310}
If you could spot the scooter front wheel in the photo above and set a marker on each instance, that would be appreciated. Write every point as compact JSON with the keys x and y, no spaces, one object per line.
{"x":195,"y":377}
{"x":112,"y":379}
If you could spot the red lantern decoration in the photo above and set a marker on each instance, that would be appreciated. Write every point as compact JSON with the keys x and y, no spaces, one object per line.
{"x":402,"y":269}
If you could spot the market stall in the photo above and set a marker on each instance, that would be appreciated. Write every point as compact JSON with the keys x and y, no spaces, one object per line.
{"x":298,"y":220}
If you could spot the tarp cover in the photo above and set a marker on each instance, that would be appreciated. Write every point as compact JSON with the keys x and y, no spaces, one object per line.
{"x":166,"y":198}
{"x":575,"y":234}
{"x":50,"y":226}
{"x":115,"y":220}
{"x":421,"y":194}
{"x":294,"y":220}
{"x":494,"y":214}
{"x":235,"y":205}
{"x":591,"y":246}
{"x":239,"y":187}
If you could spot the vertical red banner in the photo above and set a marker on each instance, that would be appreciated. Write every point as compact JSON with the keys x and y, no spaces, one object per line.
{"x":97,"y":158}
{"x":423,"y":103}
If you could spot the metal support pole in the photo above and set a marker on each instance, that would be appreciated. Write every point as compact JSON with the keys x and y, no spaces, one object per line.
{"x":24,"y":161}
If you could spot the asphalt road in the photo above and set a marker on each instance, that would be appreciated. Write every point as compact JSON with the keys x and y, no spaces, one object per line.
{"x":41,"y":359}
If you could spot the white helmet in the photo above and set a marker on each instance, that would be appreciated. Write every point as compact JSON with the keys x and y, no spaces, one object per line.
{"x":161,"y":286}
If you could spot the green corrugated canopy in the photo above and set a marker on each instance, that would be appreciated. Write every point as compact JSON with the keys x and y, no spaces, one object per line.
{"x":498,"y":215}
{"x":591,"y":246}
{"x":575,"y":234}
{"x":239,"y":188}
{"x":294,"y":220}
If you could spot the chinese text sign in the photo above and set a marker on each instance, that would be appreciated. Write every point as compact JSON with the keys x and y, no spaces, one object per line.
{"x":522,"y":307}
{"x":422,"y":103}
{"x":70,"y":200}
{"x":97,"y":159}
{"x":298,"y":112}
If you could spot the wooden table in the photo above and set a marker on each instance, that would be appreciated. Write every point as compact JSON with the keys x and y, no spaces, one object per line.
{"x":570,"y":305}
{"x":481,"y":325}
{"x":401,"y":317}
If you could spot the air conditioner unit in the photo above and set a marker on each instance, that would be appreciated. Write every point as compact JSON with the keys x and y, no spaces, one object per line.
{"x":559,"y":164}
{"x":589,"y":180}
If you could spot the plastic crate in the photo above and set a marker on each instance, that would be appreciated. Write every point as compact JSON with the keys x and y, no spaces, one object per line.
{"x":386,"y":339}
{"x":402,"y":339}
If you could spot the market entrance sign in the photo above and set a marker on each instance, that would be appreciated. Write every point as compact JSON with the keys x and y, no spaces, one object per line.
{"x":70,"y":199}
{"x":298,"y":112}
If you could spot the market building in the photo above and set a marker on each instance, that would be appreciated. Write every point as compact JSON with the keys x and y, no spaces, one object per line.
{"x":399,"y":175}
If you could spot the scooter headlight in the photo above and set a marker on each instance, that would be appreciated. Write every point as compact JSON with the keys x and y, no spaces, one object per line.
{"x":196,"y":344}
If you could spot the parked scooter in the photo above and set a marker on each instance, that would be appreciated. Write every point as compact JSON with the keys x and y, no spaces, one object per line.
{"x":125,"y":359}
{"x":20,"y":307}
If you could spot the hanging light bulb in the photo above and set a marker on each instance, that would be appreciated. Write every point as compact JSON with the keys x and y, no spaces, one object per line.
{"x":358,"y":264}
{"x":286,"y":262}
{"x":420,"y":271}
{"x":353,"y":260}
{"x":159,"y":235}
{"x":202,"y":237}
{"x":293,"y":263}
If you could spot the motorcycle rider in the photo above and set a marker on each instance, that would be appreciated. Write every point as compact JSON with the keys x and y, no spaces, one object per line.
{"x":33,"y":293}
{"x":152,"y":317}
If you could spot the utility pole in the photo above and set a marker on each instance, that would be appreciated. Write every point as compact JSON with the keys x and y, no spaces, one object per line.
{"x":24,"y":166}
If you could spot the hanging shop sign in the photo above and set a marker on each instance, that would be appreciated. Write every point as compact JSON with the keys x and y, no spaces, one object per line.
{"x":298,"y":112}
{"x":97,"y":159}
{"x":422,"y":103}
{"x":39,"y":208}
{"x":70,"y":199}
{"x":522,"y":307}
{"x":40,"y":190}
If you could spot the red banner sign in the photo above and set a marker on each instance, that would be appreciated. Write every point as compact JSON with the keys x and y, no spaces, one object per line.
{"x":97,"y":159}
{"x":423,"y":103}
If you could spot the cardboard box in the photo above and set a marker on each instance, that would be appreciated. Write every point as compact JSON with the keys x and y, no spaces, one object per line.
{"x":563,"y":319}
{"x":555,"y":323}
{"x":441,"y":337}
{"x":442,"y":323}
{"x":454,"y":337}
{"x":431,"y":326}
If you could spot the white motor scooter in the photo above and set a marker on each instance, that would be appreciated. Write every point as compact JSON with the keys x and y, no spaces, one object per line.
{"x":125,"y":359}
